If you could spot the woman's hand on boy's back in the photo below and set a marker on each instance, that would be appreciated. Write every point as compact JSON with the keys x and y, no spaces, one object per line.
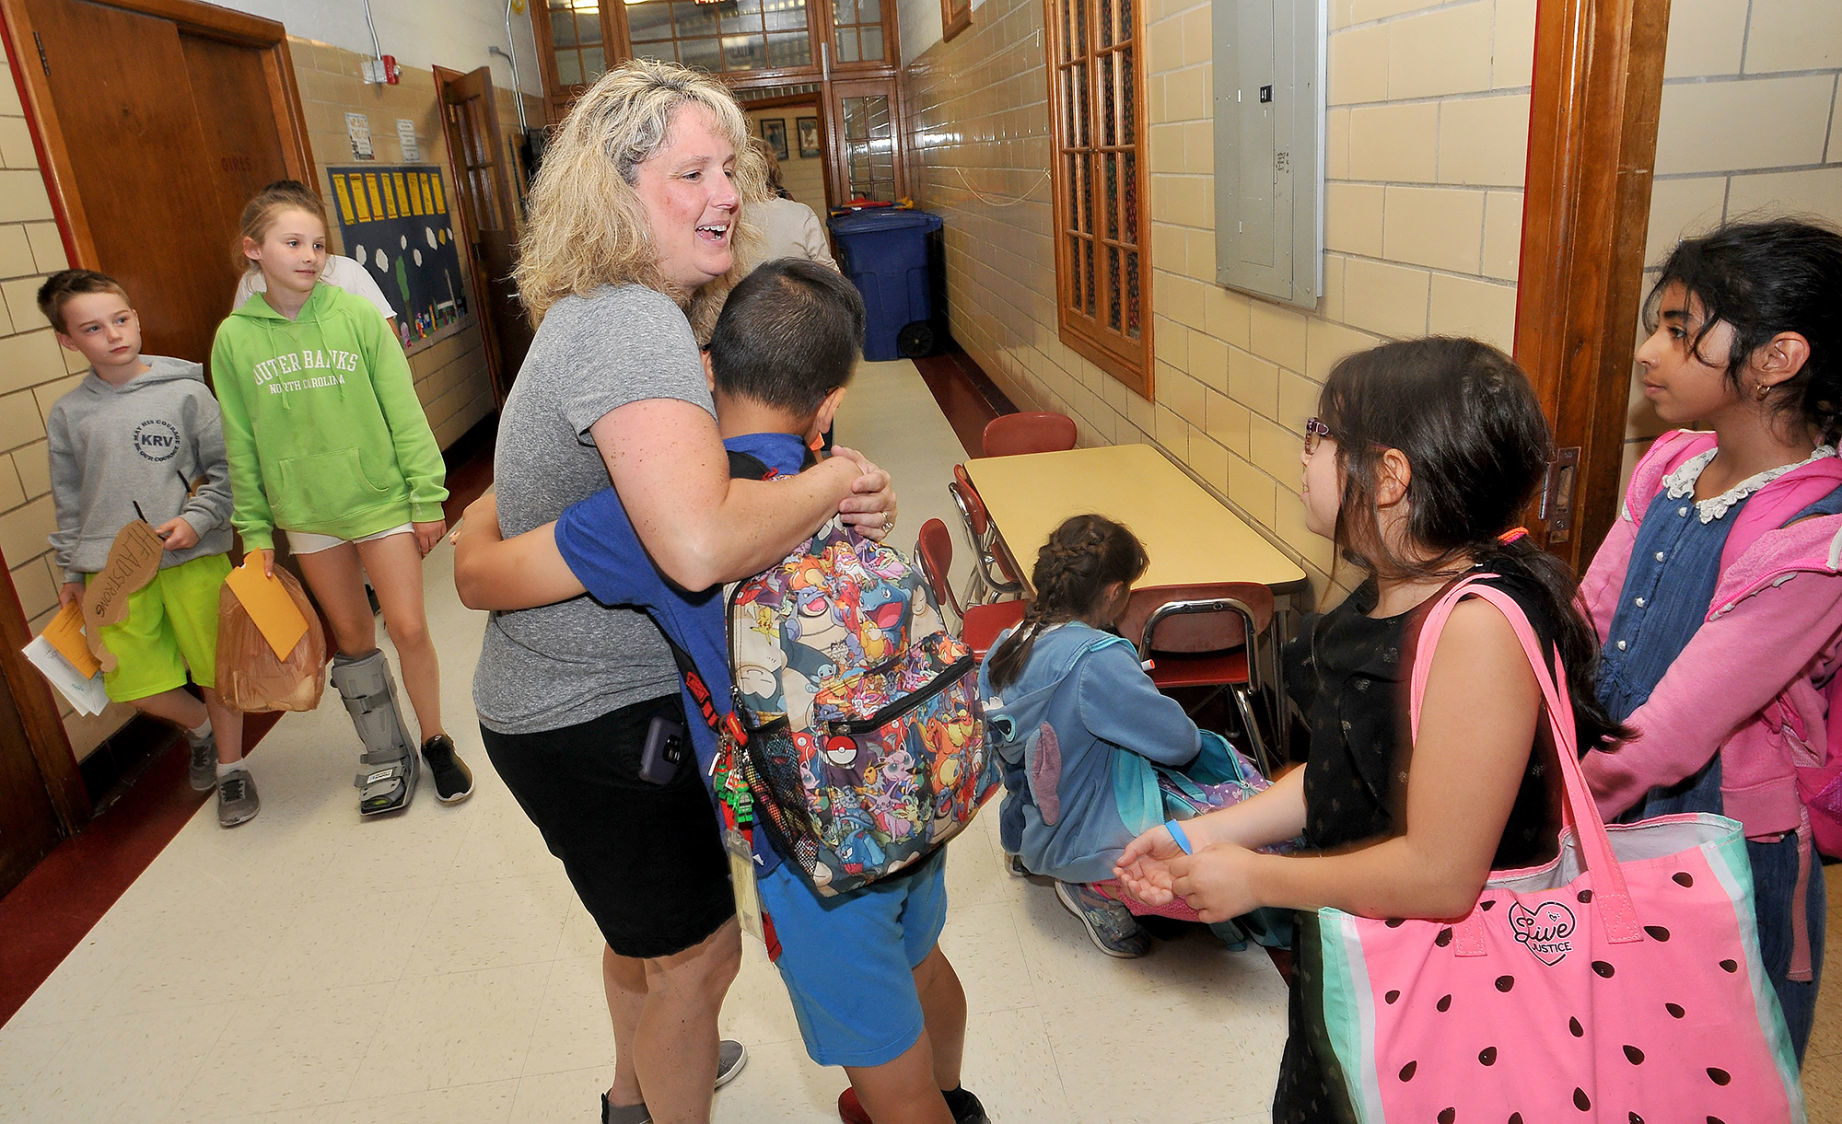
{"x":870,"y":507}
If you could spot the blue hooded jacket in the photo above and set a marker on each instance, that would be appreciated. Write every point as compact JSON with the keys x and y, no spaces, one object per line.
{"x":1077,"y":734}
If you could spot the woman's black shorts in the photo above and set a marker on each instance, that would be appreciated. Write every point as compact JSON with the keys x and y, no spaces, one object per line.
{"x":646,"y":859}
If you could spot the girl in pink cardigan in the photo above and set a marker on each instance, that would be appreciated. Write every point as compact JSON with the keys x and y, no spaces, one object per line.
{"x":1717,"y":594}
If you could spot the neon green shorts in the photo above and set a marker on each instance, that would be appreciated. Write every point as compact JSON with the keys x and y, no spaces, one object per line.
{"x":171,"y":625}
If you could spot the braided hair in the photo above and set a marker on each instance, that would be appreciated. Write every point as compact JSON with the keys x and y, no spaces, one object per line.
{"x":1083,"y":556}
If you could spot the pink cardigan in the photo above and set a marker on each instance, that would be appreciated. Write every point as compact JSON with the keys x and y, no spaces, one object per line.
{"x":1754,"y":682}
{"x":1747,"y":684}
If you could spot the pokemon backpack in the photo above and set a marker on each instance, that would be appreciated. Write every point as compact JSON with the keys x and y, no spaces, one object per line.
{"x":859,"y":734}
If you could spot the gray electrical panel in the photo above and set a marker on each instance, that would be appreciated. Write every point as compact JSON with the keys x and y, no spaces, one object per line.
{"x":1269,"y":148}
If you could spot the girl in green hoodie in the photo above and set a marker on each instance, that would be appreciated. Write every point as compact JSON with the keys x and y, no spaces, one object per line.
{"x":328,"y":442}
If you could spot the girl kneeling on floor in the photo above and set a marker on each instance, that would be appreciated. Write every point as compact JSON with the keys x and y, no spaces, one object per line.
{"x":1093,"y":754}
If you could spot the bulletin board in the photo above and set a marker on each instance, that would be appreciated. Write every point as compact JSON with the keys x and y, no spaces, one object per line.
{"x":395,"y":222}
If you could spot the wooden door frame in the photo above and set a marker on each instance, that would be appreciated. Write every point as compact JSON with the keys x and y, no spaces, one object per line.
{"x":505,"y":198}
{"x":192,"y":18}
{"x":1597,"y":90}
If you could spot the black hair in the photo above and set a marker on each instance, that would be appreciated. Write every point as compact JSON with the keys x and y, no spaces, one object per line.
{"x":1083,"y":556}
{"x":1763,"y":278}
{"x":1478,"y":447}
{"x":65,"y":284}
{"x":788,"y":335}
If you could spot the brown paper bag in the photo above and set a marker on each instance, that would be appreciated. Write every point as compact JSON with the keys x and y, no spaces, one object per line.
{"x":249,"y":676}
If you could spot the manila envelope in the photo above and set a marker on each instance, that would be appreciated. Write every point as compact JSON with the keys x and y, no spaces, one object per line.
{"x":65,"y":633}
{"x":271,"y":609}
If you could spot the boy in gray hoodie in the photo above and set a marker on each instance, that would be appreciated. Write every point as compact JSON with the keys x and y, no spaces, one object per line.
{"x":140,"y":438}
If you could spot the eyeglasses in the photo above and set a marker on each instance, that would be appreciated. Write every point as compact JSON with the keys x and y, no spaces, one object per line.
{"x":1315,"y":431}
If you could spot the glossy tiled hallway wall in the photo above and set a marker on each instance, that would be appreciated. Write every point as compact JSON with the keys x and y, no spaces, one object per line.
{"x":1426,"y":133}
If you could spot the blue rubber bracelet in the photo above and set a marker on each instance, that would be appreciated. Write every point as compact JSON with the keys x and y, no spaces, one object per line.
{"x":1176,"y":833}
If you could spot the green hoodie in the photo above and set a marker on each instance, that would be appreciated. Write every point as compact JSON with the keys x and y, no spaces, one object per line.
{"x":321,"y":423}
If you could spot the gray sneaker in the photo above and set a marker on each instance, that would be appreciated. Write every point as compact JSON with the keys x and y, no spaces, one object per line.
{"x":1110,"y":925}
{"x":237,"y":801}
{"x":202,"y":768}
{"x":731,"y":1056}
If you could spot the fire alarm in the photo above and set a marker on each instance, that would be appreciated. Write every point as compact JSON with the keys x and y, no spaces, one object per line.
{"x":382,"y":69}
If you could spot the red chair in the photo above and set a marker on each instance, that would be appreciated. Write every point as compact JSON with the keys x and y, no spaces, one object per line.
{"x":979,"y":625}
{"x":1205,"y":636}
{"x":1036,"y":431}
{"x":993,"y":579}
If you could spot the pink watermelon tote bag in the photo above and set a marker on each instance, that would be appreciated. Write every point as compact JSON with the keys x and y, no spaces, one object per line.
{"x":1620,"y":982}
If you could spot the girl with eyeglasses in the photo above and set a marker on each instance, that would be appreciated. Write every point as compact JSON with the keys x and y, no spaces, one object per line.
{"x":1422,"y":457}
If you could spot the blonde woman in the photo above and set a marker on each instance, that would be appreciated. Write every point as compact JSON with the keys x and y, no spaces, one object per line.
{"x":634,"y":221}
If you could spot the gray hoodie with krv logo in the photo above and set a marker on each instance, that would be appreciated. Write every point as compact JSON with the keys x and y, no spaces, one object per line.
{"x":148,"y":441}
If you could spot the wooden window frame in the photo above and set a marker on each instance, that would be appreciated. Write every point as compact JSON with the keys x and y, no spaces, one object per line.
{"x":1118,"y":354}
{"x":955,"y":17}
{"x":619,"y":46}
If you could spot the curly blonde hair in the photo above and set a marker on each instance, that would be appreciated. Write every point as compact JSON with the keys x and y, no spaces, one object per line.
{"x":587,"y":226}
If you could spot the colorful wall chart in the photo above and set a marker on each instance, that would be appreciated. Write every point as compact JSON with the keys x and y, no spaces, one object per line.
{"x":396,"y":222}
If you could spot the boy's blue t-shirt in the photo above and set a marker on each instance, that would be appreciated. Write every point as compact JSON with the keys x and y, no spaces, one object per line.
{"x":599,"y":544}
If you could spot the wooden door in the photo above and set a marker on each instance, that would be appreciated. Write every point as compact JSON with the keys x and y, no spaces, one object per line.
{"x":865,"y":149}
{"x":38,"y":807}
{"x":482,"y":174}
{"x":165,"y":134}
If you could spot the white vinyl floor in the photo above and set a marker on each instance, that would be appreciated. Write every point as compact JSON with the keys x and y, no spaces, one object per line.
{"x":436,"y":967}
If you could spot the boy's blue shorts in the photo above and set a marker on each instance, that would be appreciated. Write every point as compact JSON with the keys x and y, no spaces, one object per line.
{"x":848,"y":962}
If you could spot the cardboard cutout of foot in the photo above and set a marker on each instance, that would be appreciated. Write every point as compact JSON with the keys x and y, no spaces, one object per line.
{"x":134,"y":559}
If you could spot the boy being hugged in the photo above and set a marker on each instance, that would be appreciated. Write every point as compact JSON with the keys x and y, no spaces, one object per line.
{"x":141,"y":437}
{"x":871,"y":989}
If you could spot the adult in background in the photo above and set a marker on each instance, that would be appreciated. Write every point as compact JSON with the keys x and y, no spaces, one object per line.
{"x":789,"y":228}
{"x":634,"y":222}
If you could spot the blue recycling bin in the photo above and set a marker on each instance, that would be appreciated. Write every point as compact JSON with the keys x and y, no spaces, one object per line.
{"x":885,"y":254}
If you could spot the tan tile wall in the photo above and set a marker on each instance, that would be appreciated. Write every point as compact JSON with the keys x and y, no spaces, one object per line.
{"x":450,"y":375}
{"x":1751,"y":126}
{"x":1425,"y":136}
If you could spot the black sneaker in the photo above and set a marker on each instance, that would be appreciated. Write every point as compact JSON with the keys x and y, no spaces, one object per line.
{"x":965,"y":1107}
{"x":453,"y":780}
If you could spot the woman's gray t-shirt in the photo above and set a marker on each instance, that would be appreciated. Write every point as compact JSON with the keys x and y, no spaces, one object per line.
{"x":560,"y":665}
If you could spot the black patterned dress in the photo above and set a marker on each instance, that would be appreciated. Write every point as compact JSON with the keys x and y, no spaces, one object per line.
{"x":1348,"y":673}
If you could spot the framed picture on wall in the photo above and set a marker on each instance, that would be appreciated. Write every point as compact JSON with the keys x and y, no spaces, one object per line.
{"x":774,"y":131}
{"x":808,"y":137}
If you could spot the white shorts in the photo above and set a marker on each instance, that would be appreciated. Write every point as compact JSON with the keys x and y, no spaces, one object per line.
{"x":304,"y":542}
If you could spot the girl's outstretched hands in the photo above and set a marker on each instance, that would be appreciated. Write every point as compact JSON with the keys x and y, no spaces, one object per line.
{"x":1144,"y":868}
{"x":1218,"y":883}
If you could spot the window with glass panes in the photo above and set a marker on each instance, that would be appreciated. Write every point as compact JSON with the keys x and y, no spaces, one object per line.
{"x":732,"y":36}
{"x":1103,"y":267}
{"x":857,"y":30}
{"x":576,"y":41}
